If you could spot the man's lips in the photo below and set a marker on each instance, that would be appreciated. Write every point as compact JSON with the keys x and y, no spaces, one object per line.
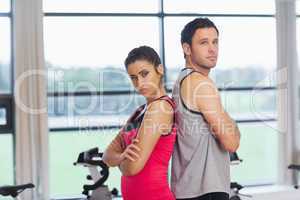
{"x":212,"y":58}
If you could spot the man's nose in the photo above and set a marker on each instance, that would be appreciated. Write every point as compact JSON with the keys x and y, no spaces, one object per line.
{"x":212,"y":48}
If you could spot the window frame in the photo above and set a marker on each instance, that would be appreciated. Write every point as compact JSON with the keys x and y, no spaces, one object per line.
{"x":6,"y":103}
{"x":6,"y":100}
{"x":161,"y":15}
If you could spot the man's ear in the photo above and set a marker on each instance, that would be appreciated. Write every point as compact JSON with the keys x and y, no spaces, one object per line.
{"x":186,"y":49}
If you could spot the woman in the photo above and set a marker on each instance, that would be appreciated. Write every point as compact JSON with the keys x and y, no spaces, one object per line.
{"x":143,"y":147}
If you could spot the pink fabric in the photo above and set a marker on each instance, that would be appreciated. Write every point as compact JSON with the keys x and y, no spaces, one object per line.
{"x":152,"y":182}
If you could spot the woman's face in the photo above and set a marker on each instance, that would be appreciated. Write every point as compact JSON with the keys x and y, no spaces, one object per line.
{"x":145,"y":77}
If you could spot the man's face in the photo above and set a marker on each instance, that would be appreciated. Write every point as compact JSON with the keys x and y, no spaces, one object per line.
{"x":204,"y":48}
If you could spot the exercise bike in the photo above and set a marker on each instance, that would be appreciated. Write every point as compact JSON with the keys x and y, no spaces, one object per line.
{"x":92,"y":159}
{"x":14,"y":190}
{"x":296,"y":168}
{"x":234,"y":186}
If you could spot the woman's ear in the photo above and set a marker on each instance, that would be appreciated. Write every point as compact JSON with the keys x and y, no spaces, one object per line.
{"x":186,"y":49}
{"x":160,"y":69}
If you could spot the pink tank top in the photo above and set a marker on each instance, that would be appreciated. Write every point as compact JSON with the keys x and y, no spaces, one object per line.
{"x":151,"y":183}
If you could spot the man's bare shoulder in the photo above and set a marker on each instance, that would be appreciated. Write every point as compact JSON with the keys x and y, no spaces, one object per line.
{"x":198,"y":81}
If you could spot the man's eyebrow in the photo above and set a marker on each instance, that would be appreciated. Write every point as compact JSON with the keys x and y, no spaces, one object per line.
{"x":203,"y":39}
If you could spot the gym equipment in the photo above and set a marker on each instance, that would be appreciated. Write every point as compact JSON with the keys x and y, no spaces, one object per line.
{"x":14,"y":190}
{"x":93,"y":159}
{"x":234,"y":186}
{"x":297,"y":169}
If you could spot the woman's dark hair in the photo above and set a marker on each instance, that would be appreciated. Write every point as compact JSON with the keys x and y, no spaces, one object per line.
{"x":143,"y":53}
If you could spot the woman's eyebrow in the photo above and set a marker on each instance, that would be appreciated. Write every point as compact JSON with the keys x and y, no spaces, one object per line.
{"x":132,"y":75}
{"x":143,"y":70}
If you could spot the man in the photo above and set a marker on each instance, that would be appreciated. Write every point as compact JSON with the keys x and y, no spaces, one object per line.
{"x":206,"y":134}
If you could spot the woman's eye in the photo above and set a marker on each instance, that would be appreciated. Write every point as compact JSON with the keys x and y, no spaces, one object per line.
{"x":133,"y":78}
{"x":144,"y":74}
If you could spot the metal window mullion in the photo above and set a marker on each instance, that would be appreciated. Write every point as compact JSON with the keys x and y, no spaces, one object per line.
{"x":159,"y":14}
{"x":54,"y":14}
{"x":5,"y":14}
{"x":162,"y":40}
{"x":12,"y":64}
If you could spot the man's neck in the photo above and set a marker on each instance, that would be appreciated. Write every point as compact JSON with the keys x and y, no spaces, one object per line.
{"x":200,"y":69}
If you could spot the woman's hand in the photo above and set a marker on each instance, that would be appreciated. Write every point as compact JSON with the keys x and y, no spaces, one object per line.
{"x":131,"y":151}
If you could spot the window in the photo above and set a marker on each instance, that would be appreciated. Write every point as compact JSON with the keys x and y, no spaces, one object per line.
{"x":91,"y":111}
{"x":6,"y":99}
{"x":6,"y":157}
{"x":93,"y":50}
{"x":95,"y":6}
{"x":90,"y":95}
{"x":220,"y":7}
{"x":88,"y":87}
{"x":247,"y":81}
{"x":5,"y":69}
{"x":247,"y":105}
{"x":256,"y":50}
{"x":258,"y":154}
{"x":69,"y":145}
{"x":5,"y":6}
{"x":3,"y":120}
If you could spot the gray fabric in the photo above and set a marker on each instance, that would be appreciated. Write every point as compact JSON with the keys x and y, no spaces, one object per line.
{"x":199,"y":164}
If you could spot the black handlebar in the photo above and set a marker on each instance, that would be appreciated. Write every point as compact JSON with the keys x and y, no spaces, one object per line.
{"x":14,"y":190}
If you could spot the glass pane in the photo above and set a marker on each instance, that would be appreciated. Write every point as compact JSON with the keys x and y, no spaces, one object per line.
{"x":298,"y":7}
{"x":5,"y":50}
{"x":2,"y":116}
{"x":6,"y":157}
{"x":111,"y":6}
{"x":87,"y":78}
{"x":220,"y":6}
{"x":259,"y":152}
{"x":4,"y":5}
{"x":84,"y":111}
{"x":89,"y":50}
{"x":64,"y":150}
{"x":256,"y":104}
{"x":246,"y":57}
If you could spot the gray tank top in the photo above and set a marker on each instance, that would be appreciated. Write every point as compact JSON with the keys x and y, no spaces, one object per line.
{"x":199,"y":164}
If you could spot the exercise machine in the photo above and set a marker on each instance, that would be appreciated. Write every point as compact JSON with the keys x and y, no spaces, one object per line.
{"x":296,"y":168}
{"x":92,"y":159}
{"x":14,"y":190}
{"x":234,"y":186}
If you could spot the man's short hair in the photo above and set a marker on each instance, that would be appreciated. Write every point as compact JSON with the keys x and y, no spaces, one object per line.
{"x":190,"y":28}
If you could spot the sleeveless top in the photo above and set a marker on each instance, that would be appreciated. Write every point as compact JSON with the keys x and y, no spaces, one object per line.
{"x":199,"y":164}
{"x":151,"y":183}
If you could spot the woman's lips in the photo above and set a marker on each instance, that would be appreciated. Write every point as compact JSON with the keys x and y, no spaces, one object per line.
{"x":143,"y":91}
